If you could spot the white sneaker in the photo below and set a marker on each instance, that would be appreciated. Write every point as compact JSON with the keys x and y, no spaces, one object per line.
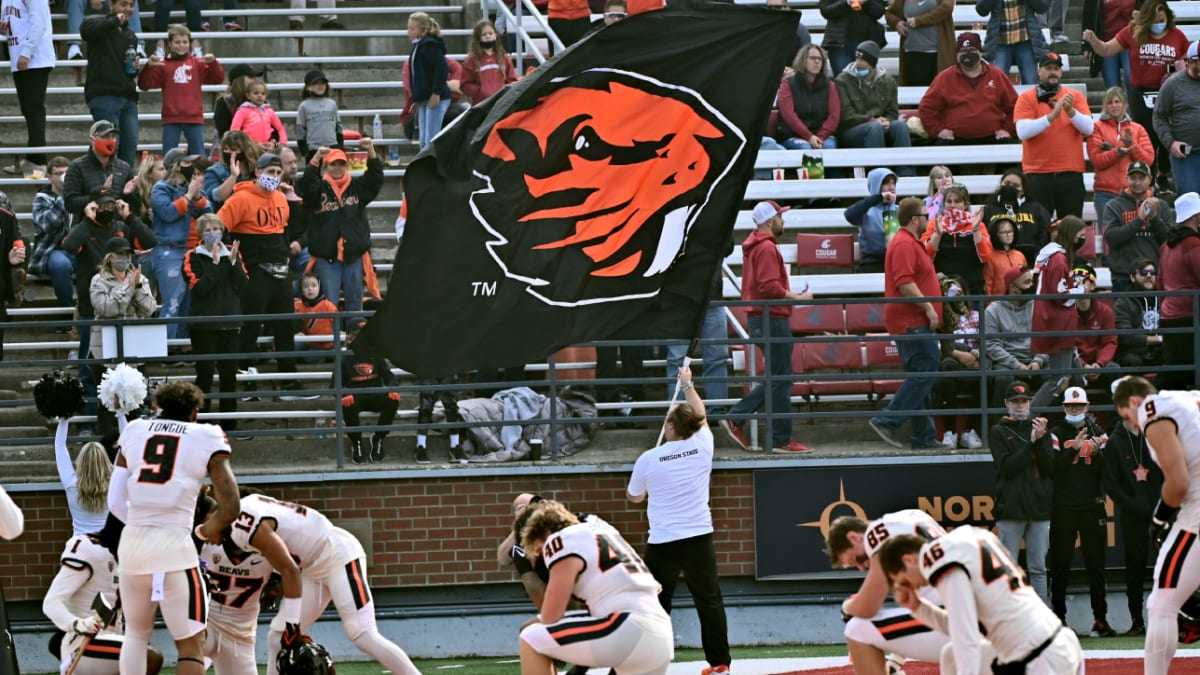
{"x":74,"y":52}
{"x":159,"y":53}
{"x":1062,"y":37}
{"x":971,"y":440}
{"x":951,"y":439}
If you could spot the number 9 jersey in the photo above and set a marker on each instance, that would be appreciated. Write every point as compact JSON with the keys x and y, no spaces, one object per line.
{"x":614,"y":578}
{"x":168,"y":461}
{"x":1182,"y":408}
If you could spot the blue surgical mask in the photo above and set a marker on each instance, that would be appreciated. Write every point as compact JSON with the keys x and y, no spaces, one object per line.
{"x":1158,"y":28}
{"x":211,"y":239}
{"x":268,"y":182}
{"x":862,"y":72}
{"x":1076,"y":419}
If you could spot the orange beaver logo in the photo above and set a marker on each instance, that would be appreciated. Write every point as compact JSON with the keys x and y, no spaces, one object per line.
{"x":591,"y":192}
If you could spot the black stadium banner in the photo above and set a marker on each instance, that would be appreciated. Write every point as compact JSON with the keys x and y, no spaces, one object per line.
{"x":592,"y":200}
{"x":794,"y":507}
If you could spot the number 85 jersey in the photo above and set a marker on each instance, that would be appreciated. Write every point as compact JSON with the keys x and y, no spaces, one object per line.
{"x":168,"y":461}
{"x":614,"y":578}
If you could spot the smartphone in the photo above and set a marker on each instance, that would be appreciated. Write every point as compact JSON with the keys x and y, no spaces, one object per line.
{"x":1185,"y":149}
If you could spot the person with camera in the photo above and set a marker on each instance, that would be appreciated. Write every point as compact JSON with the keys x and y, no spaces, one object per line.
{"x":1177,"y":122}
{"x":1052,"y":122}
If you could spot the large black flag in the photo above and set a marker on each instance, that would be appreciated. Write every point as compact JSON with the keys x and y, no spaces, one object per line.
{"x":592,"y":200}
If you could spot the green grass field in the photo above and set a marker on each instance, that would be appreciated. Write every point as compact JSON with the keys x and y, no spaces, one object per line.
{"x":507,"y":665}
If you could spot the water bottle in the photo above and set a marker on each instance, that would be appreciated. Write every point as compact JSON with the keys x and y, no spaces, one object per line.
{"x":131,"y":61}
{"x":377,"y":127}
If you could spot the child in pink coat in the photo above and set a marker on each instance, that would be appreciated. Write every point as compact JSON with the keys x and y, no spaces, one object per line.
{"x":257,"y":119}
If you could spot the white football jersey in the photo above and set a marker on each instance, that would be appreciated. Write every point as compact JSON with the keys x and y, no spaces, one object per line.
{"x":168,"y":462}
{"x":1183,"y":408}
{"x":906,"y":521}
{"x":614,"y":578}
{"x":87,"y":570}
{"x":305,"y":531}
{"x":233,"y":598}
{"x":1015,"y":618}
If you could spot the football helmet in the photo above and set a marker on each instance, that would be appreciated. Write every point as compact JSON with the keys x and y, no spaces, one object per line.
{"x":309,"y":658}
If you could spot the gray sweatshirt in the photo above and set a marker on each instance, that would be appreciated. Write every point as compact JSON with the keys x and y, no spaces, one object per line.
{"x":1177,"y":112}
{"x":1003,"y":320}
{"x":317,"y":122}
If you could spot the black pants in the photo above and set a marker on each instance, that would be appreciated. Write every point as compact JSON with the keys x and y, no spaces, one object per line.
{"x":1135,"y":541}
{"x":31,"y":94}
{"x":570,"y":31}
{"x":946,"y":392}
{"x":380,"y":403}
{"x":1090,"y":525}
{"x":264,"y":294}
{"x":920,"y":68}
{"x":1061,"y":193}
{"x":696,"y":557}
{"x":448,"y":397}
{"x":1178,"y":350}
{"x":1144,"y":116}
{"x":217,"y":342}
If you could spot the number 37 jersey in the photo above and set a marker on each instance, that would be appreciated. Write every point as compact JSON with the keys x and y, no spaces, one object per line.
{"x":614,"y":578}
{"x":168,"y":461}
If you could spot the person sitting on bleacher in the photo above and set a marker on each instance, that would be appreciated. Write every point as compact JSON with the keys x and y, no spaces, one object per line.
{"x":875,"y":218}
{"x":1052,"y":122}
{"x":1098,"y":348}
{"x":1008,"y":323}
{"x":1115,"y":144}
{"x":870,"y":107}
{"x":1144,"y":349}
{"x":957,"y":241}
{"x":1011,"y":199}
{"x":970,"y":102}
{"x":1136,"y":225}
{"x":50,"y":221}
{"x":1004,"y":254}
{"x":809,"y":106}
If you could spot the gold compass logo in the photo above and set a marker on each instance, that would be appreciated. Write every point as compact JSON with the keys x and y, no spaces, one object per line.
{"x":828,"y":514}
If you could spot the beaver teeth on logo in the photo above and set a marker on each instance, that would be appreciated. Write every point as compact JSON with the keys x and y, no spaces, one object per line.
{"x":590,"y":193}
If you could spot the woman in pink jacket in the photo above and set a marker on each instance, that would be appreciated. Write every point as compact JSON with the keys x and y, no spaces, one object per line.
{"x":1116,"y":142}
{"x":257,"y":119}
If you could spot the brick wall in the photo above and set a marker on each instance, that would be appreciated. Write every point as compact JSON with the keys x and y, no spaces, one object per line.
{"x":425,"y":532}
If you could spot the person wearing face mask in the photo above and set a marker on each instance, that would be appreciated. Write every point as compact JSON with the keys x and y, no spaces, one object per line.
{"x":870,"y":109}
{"x":1031,"y":219}
{"x":339,"y":231}
{"x":1135,"y":223}
{"x":1155,"y":45}
{"x":1097,"y":347}
{"x":1004,"y":255}
{"x":1177,"y":121}
{"x":1079,"y":509}
{"x":1134,"y":313}
{"x":103,"y":218}
{"x":177,"y":201}
{"x":1009,"y":323}
{"x":971,"y":101}
{"x":215,"y":277}
{"x":1023,"y":459}
{"x":113,"y":65}
{"x":99,"y":168}
{"x":257,"y":217}
{"x":118,"y":290}
{"x":1052,"y":122}
{"x":488,"y":67}
{"x":51,"y":222}
{"x":1106,"y":18}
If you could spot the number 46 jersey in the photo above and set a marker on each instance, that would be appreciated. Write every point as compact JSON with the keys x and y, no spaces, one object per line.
{"x":614,"y":579}
{"x":1016,"y":619}
{"x":168,"y":461}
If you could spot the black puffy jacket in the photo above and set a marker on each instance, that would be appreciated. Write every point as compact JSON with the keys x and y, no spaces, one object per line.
{"x":1024,"y":470}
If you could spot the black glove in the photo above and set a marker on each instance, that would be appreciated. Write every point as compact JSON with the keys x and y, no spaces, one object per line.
{"x":293,"y":638}
{"x":1160,"y":523}
{"x":520,"y":560}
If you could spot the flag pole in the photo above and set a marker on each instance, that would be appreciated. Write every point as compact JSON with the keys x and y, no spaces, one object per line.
{"x":662,"y":432}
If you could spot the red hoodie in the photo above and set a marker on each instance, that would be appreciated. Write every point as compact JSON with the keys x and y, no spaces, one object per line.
{"x":180,"y":80}
{"x":1100,"y":345}
{"x":764,"y":274}
{"x":1052,"y":315}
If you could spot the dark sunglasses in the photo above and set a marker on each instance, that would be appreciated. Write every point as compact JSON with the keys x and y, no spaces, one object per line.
{"x":615,"y":15}
{"x":1148,"y":272}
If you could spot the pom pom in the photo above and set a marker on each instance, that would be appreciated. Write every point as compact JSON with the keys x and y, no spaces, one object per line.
{"x":123,"y":389}
{"x":58,"y":395}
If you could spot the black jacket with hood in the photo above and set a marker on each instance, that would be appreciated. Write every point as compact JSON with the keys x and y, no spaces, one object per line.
{"x":1024,"y":470}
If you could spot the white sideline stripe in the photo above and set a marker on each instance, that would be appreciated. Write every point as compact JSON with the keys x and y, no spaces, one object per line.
{"x":776,"y":666}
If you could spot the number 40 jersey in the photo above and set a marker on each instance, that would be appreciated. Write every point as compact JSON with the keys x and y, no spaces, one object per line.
{"x":614,"y":579}
{"x":168,"y":461}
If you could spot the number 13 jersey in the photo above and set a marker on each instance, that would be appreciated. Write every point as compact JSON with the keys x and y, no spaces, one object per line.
{"x":614,"y":578}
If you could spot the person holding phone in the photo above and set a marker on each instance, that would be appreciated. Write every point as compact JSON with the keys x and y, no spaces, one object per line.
{"x":1177,"y":121}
